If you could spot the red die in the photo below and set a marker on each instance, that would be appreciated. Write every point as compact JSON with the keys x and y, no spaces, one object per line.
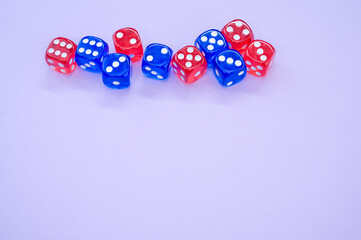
{"x":259,"y":57}
{"x":127,"y":41}
{"x":189,"y":64}
{"x":238,"y":35}
{"x":60,"y":55}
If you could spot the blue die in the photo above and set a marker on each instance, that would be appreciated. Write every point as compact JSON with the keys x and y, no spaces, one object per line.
{"x":229,"y":67}
{"x":116,"y":70}
{"x":90,"y":53}
{"x":211,"y":43}
{"x":156,"y":61}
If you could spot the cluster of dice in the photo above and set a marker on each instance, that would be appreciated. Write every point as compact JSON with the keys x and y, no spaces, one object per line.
{"x":231,"y":52}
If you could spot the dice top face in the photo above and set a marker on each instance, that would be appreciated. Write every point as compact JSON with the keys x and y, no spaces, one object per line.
{"x":90,"y":53}
{"x":116,"y":70}
{"x":238,"y":34}
{"x":60,"y":55}
{"x":229,"y":67}
{"x":116,"y":64}
{"x":156,"y":61}
{"x":210,"y":43}
{"x":127,"y":41}
{"x":189,"y":64}
{"x":259,"y":57}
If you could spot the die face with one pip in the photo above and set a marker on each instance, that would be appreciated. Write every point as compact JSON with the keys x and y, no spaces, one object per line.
{"x":238,"y":35}
{"x":127,"y":41}
{"x":189,"y":64}
{"x":156,"y":61}
{"x":259,"y":57}
{"x":116,"y":70}
{"x":229,"y":67}
{"x":90,"y":53}
{"x":60,"y":55}
{"x":210,"y":43}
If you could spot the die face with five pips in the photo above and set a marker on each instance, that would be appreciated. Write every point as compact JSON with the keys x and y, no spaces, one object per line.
{"x":156,"y":61}
{"x":238,"y":34}
{"x":189,"y":64}
{"x":90,"y":53}
{"x":116,"y":70}
{"x":60,"y":55}
{"x":210,"y":43}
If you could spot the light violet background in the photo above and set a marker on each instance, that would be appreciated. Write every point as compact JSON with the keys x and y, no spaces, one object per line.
{"x":271,"y":158}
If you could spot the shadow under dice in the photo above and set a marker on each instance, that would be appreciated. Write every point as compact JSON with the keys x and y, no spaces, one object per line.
{"x":116,"y":71}
{"x":229,"y":67}
{"x":238,"y":35}
{"x":259,"y":57}
{"x":127,"y":41}
{"x":156,"y":61}
{"x":60,"y":55}
{"x":189,"y":64}
{"x":210,"y":43}
{"x":90,"y":53}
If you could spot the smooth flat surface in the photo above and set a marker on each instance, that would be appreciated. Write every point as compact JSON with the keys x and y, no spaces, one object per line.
{"x":272,"y":158}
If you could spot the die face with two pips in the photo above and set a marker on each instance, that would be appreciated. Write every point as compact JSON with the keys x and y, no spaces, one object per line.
{"x":210,"y":43}
{"x":156,"y":61}
{"x":238,"y":34}
{"x":90,"y":53}
{"x":259,"y":57}
{"x":189,"y":64}
{"x":60,"y":55}
{"x":116,"y":70}
{"x":127,"y":41}
{"x":229,"y":67}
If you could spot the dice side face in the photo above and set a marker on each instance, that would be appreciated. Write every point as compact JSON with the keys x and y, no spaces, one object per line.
{"x":90,"y":53}
{"x":229,"y":68}
{"x":189,"y":64}
{"x":116,"y":71}
{"x":210,"y":43}
{"x":259,"y":57}
{"x":238,"y":35}
{"x":156,"y":61}
{"x":127,"y":41}
{"x":60,"y":55}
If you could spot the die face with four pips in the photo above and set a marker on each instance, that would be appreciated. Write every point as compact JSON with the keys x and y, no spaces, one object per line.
{"x":229,"y":67}
{"x":210,"y":43}
{"x":90,"y":53}
{"x":189,"y":64}
{"x":238,"y":35}
{"x":156,"y":61}
{"x":259,"y":57}
{"x":127,"y":41}
{"x":60,"y":55}
{"x":116,"y":70}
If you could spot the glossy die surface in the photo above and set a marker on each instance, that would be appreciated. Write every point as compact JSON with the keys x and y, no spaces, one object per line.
{"x":259,"y":57}
{"x":127,"y":41}
{"x":189,"y":64}
{"x":238,"y":35}
{"x":229,"y":67}
{"x":116,"y":70}
{"x":60,"y":55}
{"x":90,"y":53}
{"x":210,"y":43}
{"x":156,"y":61}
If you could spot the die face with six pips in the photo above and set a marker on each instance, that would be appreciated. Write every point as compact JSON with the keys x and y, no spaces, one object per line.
{"x":116,"y":70}
{"x":60,"y":55}
{"x":229,"y":67}
{"x":210,"y":43}
{"x":90,"y":53}
{"x":156,"y":61}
